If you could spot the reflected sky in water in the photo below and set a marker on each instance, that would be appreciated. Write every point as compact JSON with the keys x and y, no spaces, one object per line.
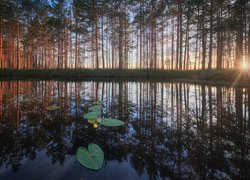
{"x":173,"y":130}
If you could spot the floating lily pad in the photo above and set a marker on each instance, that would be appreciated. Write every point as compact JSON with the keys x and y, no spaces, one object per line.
{"x":52,"y":108}
{"x":92,"y":157}
{"x":92,"y":115}
{"x":111,"y":122}
{"x":92,"y":121}
{"x":95,"y":108}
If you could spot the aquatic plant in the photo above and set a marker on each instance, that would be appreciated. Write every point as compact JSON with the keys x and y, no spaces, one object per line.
{"x":93,"y":157}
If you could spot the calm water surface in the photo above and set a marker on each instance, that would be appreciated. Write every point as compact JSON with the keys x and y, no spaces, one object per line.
{"x":172,"y":130}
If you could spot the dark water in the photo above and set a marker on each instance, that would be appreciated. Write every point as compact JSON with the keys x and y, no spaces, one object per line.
{"x":172,"y":130}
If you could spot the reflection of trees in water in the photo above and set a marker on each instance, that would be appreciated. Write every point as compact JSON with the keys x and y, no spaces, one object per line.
{"x":173,"y":129}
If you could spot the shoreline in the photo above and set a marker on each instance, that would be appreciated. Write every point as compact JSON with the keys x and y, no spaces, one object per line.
{"x":232,"y":76}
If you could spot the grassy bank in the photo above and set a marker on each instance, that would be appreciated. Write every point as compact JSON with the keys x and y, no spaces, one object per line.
{"x":204,"y":75}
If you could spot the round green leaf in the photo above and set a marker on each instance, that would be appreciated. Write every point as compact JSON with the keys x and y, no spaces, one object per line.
{"x":111,"y":122}
{"x":95,"y":108}
{"x":92,"y":158}
{"x":92,"y":115}
{"x":93,"y":121}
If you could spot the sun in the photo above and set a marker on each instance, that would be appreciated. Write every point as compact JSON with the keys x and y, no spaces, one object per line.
{"x":244,"y":65}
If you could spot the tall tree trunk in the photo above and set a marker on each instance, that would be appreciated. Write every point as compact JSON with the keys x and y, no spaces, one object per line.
{"x":107,"y":46}
{"x":76,"y":46}
{"x":103,"y":62}
{"x":120,"y":41}
{"x":162,"y":38}
{"x":219,"y":40}
{"x":249,"y":42}
{"x":178,"y":40}
{"x":71,"y":51}
{"x":125,"y":45}
{"x":211,"y":36}
{"x":203,"y":66}
{"x":162,"y":43}
{"x":152,"y":60}
{"x":155,"y":45}
{"x":239,"y":34}
{"x":18,"y":45}
{"x":140,"y":41}
{"x":58,"y":52}
{"x":1,"y":44}
{"x":196,"y":52}
{"x":66,"y":44}
{"x":181,"y":34}
{"x":113,"y":43}
{"x":172,"y":44}
{"x":96,"y":43}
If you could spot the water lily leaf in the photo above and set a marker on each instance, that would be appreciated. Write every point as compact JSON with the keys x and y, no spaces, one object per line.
{"x":95,"y":108}
{"x":52,"y":108}
{"x":92,"y":121}
{"x":92,"y":115}
{"x":92,"y":157}
{"x":111,"y":122}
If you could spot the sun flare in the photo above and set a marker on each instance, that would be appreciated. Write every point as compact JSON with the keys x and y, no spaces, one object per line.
{"x":244,"y":65}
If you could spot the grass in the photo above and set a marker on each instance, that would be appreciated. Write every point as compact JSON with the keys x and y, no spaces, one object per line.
{"x":229,"y":76}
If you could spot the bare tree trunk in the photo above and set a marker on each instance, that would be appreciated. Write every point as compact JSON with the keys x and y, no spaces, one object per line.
{"x":196,"y":53}
{"x":239,"y":34}
{"x":172,"y":44}
{"x":203,"y":66}
{"x":178,"y":41}
{"x":155,"y":44}
{"x":211,"y":36}
{"x":66,"y":44}
{"x":107,"y":46}
{"x":96,"y":42}
{"x":113,"y":43}
{"x":76,"y":46}
{"x":249,"y":42}
{"x":1,"y":44}
{"x":140,"y":43}
{"x":181,"y":34}
{"x":162,"y":43}
{"x":18,"y":45}
{"x":219,"y":40}
{"x":103,"y":62}
{"x":58,"y":52}
{"x":120,"y":41}
{"x":152,"y":60}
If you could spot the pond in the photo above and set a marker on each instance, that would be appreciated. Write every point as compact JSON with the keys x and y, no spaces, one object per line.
{"x":171,"y":130}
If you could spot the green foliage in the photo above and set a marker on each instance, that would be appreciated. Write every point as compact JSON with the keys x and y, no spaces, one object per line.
{"x":95,"y":108}
{"x":92,"y":157}
{"x":92,"y":115}
{"x":111,"y":122}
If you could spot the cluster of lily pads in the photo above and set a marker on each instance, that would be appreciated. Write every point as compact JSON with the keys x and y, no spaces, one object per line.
{"x":93,"y":157}
{"x":94,"y":115}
